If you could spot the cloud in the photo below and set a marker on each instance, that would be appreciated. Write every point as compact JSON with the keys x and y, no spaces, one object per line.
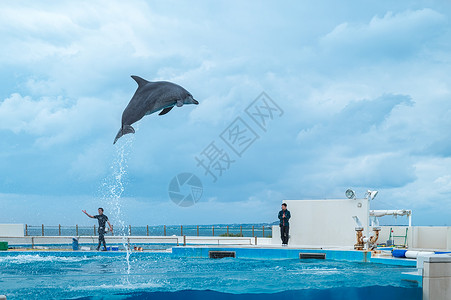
{"x":365,"y":119}
{"x":393,"y":36}
{"x":54,"y":120}
{"x":93,"y":161}
{"x":365,"y":94}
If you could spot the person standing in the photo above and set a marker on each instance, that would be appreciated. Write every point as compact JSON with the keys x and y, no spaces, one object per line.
{"x":102,"y":220}
{"x":284,"y":217}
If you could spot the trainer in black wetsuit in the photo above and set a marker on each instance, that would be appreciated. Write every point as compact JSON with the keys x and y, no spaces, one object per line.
{"x":102,"y":220}
{"x":284,"y":217}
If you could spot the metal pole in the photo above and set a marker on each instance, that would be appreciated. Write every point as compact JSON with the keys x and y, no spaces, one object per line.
{"x":59,"y":229}
{"x":184,"y":240}
{"x":255,"y":240}
{"x":227,"y":230}
{"x":76,"y":230}
{"x":181,"y":229}
{"x":164,"y":230}
{"x":241,"y":230}
{"x":197,"y":230}
{"x":42,"y":229}
{"x":26,"y":230}
{"x":147,"y":230}
{"x":253,"y":230}
{"x":94,"y":229}
{"x":263,"y":228}
{"x":112,"y":231}
{"x":129,"y":229}
{"x":32,"y":242}
{"x":213,"y":227}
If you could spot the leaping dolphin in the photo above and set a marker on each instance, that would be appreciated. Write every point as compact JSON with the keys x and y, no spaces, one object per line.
{"x":151,"y":97}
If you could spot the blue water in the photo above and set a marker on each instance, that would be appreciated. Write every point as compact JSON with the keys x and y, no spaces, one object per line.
{"x":67,"y":275}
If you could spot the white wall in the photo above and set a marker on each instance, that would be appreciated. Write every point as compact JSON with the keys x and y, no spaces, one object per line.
{"x":384,"y":234}
{"x":137,"y":240}
{"x":12,"y":230}
{"x":437,"y":277}
{"x":430,"y":237}
{"x":324,"y":222}
{"x":419,"y":237}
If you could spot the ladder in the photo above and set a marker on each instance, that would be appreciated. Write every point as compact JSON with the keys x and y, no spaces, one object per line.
{"x":391,"y":237}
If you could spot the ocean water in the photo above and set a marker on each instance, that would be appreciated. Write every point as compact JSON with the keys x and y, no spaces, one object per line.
{"x":65,"y":275}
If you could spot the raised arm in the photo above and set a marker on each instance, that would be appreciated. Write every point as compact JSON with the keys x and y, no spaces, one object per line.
{"x":88,"y":214}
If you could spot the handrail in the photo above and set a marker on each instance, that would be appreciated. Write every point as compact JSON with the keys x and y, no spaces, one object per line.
{"x":157,"y":230}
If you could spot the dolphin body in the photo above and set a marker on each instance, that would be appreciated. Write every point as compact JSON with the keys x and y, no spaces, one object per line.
{"x":151,"y":97}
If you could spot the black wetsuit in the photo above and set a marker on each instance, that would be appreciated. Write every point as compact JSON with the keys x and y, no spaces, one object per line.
{"x":284,"y":226}
{"x":102,"y":220}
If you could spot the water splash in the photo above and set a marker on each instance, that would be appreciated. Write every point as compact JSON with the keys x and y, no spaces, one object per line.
{"x":113,"y":188}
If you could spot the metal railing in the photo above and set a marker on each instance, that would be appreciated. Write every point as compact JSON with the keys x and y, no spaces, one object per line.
{"x":160,"y":230}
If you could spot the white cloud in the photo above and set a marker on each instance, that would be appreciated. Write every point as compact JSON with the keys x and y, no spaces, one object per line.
{"x":395,"y":35}
{"x":56,"y":120}
{"x":68,"y":66}
{"x":93,"y":162}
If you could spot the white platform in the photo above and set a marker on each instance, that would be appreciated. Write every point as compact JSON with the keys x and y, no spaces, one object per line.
{"x":12,"y":230}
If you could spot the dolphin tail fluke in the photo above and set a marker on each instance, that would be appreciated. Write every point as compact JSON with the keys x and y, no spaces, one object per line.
{"x":124,"y":130}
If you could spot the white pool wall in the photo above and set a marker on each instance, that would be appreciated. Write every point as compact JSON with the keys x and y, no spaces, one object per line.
{"x":324,"y":222}
{"x":329,"y":223}
{"x":13,"y":230}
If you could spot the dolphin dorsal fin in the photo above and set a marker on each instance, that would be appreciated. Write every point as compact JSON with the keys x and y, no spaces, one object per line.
{"x":140,"y":81}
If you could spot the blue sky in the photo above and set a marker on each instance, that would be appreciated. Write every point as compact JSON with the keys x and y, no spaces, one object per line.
{"x":364,"y":87}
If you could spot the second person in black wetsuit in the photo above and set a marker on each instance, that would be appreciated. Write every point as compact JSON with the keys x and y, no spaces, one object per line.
{"x":284,"y":217}
{"x":102,"y":220}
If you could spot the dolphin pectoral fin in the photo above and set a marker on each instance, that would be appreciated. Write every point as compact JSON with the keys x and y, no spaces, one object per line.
{"x":179,"y":103}
{"x":125,"y":129}
{"x":165,"y":111}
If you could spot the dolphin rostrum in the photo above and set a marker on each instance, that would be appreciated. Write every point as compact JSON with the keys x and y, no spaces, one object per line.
{"x":151,"y":97}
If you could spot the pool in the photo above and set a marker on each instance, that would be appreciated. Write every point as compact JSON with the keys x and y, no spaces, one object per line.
{"x":93,"y":275}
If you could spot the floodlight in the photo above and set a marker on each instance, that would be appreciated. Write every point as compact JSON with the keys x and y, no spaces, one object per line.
{"x":350,"y":194}
{"x":371,"y":194}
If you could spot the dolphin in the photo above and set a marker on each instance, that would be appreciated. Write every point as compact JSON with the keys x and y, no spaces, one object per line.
{"x":151,"y":97}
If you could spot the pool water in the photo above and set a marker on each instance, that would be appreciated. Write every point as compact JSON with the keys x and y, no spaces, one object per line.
{"x":68,"y":275}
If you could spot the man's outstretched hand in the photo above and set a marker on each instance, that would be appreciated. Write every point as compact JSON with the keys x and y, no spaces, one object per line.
{"x":87,"y":214}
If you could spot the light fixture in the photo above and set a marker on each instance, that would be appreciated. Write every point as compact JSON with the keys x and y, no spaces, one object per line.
{"x":350,"y":194}
{"x":371,"y":194}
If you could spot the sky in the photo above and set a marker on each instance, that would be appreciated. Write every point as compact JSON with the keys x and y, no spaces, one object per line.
{"x":353,"y":94}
